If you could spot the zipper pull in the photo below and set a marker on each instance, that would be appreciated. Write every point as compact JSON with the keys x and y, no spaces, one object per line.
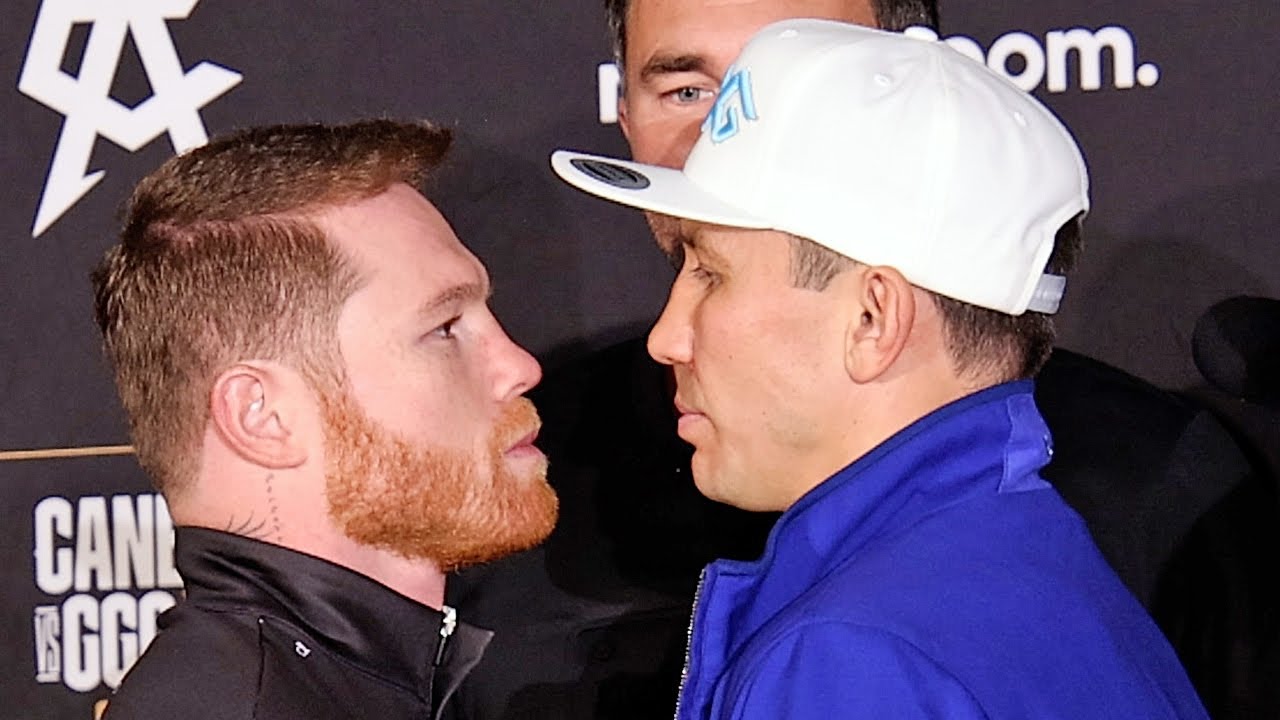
{"x":447,"y":625}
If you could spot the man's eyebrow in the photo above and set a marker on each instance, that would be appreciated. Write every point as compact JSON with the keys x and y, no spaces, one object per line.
{"x":694,"y":241}
{"x":455,"y":294}
{"x":667,"y":64}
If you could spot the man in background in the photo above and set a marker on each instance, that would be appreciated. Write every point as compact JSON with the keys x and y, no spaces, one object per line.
{"x":605,"y":636}
{"x":314,"y":381}
{"x":593,"y":624}
{"x":1140,"y":464}
{"x":874,"y":231}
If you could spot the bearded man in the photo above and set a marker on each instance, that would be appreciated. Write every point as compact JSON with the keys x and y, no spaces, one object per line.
{"x":315,"y":382}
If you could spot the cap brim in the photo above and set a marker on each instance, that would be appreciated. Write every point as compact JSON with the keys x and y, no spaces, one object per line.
{"x":648,"y":187}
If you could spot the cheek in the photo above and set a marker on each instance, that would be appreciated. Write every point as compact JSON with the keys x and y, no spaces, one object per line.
{"x":660,"y":136}
{"x":769,"y":374}
{"x":439,"y":402}
{"x":735,"y":368}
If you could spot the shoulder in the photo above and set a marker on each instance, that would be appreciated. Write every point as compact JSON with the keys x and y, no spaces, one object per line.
{"x":203,"y":665}
{"x":241,"y":665}
{"x":816,"y":667}
{"x":1125,"y":449}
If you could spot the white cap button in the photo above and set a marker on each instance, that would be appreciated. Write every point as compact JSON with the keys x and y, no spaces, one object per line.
{"x":920,"y":32}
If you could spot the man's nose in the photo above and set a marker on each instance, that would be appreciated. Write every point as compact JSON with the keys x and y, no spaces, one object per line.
{"x":671,"y":339}
{"x":516,"y":372}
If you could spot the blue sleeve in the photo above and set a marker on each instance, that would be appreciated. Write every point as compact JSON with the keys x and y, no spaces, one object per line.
{"x":824,"y":671}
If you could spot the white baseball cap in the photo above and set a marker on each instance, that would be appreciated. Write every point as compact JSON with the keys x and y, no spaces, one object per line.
{"x":888,"y":148}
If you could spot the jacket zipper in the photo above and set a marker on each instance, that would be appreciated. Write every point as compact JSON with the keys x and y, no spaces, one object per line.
{"x":447,"y":625}
{"x":688,"y":643}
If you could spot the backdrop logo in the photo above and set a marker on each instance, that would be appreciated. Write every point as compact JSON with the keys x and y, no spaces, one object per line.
{"x":108,"y":565}
{"x":1023,"y":58}
{"x":85,"y":99}
{"x":1050,"y":61}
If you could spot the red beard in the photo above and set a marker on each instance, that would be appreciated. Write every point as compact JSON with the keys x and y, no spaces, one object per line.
{"x":430,"y":502}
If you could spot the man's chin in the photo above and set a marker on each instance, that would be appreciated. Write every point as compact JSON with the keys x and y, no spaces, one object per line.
{"x":529,"y":528}
{"x":714,"y":483}
{"x":436,"y":503}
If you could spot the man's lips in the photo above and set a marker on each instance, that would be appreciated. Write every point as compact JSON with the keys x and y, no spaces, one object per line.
{"x":685,"y":409}
{"x":525,"y":444}
{"x":689,"y":417}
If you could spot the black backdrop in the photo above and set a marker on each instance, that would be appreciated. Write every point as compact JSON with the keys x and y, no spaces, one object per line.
{"x":1180,"y":138}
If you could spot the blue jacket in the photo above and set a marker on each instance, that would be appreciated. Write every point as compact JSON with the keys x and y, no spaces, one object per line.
{"x":936,"y":577}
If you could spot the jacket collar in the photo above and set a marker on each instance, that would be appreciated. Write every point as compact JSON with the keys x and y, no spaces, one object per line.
{"x":993,"y":441}
{"x":365,"y":622}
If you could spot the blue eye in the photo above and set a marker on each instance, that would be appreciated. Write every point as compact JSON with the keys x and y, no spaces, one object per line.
{"x":689,"y":95}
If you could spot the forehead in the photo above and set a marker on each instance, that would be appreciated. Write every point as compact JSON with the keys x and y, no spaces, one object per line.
{"x":717,"y":29}
{"x":399,"y":241}
{"x":734,"y":246}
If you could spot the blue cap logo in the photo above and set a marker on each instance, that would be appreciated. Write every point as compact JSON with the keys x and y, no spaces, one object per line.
{"x":733,"y":106}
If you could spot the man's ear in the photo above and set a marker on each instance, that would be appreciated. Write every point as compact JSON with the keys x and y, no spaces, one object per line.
{"x":257,"y":411}
{"x":885,"y":313}
{"x":623,"y":121}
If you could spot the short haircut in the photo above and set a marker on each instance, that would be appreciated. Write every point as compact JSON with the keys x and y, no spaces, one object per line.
{"x":218,"y":263}
{"x":983,"y":344}
{"x":890,"y":15}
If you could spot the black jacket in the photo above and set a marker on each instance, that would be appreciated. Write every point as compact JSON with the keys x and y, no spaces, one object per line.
{"x":266,"y":632}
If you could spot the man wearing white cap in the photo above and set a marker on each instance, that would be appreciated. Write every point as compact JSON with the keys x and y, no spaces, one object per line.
{"x":875,"y":231}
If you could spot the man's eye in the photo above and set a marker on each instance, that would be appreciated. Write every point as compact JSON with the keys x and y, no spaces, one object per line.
{"x":703,"y":275}
{"x":689,"y":94}
{"x":445,"y":331}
